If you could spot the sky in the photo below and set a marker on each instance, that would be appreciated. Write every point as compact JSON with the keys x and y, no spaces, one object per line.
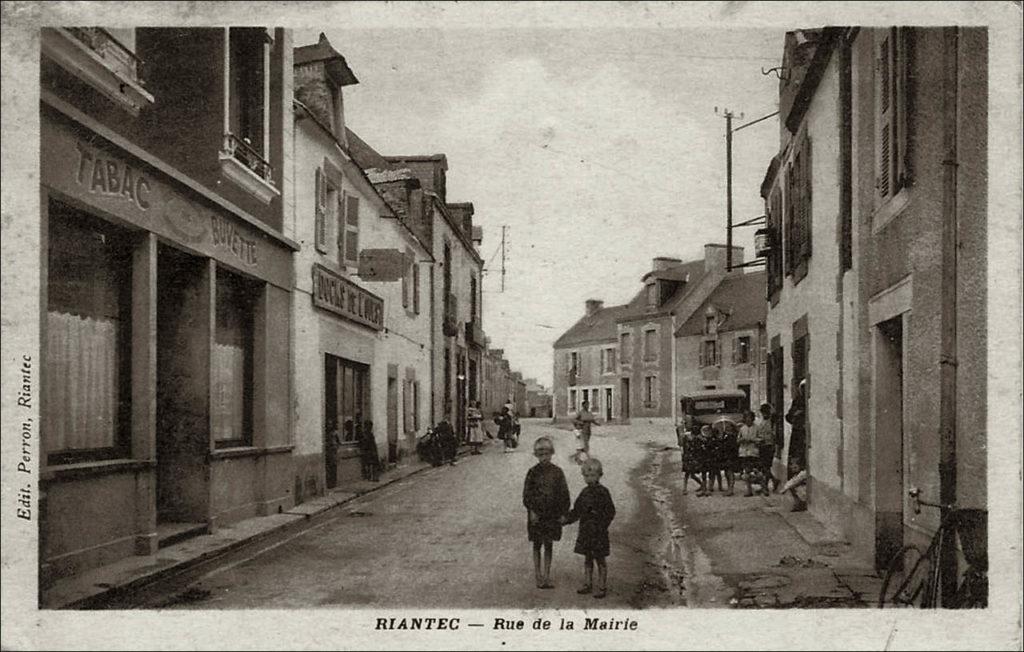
{"x":598,"y":148}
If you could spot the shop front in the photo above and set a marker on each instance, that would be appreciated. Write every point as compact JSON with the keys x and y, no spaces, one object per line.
{"x":165,"y":336}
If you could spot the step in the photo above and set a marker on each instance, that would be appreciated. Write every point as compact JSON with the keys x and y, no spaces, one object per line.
{"x":171,"y":532}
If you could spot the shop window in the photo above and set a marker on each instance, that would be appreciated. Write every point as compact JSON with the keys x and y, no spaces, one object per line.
{"x":348,"y":397}
{"x":87,"y":394}
{"x":233,"y":361}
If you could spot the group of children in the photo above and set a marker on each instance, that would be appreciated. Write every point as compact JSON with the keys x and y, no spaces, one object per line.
{"x":546,"y":497}
{"x":709,"y":454}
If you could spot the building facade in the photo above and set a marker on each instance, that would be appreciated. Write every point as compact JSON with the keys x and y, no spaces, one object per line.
{"x":877,"y":264}
{"x":362,"y":323}
{"x":166,"y":279}
{"x":722,"y":344}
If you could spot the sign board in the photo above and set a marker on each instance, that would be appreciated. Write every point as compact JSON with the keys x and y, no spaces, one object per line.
{"x":341,"y":296}
{"x":382,"y":265}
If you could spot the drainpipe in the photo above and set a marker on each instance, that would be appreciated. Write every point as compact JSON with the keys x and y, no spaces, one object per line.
{"x":948,"y":315}
{"x":672,"y":371}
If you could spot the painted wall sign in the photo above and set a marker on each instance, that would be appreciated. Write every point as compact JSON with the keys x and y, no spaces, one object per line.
{"x":226,"y":236}
{"x":341,"y":296}
{"x":77,"y":164}
{"x":111,"y":177}
{"x":382,"y":265}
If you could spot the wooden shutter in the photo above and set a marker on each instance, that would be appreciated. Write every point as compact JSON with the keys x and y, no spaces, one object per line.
{"x":807,"y":184}
{"x":415,"y":287}
{"x":352,"y":229}
{"x":884,"y":117}
{"x":320,"y":235}
{"x":787,"y":218}
{"x":405,"y":281}
{"x":735,"y":349}
{"x":903,"y":38}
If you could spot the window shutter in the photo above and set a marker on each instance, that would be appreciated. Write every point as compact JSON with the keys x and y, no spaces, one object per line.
{"x":405,"y":282}
{"x":415,"y":287}
{"x":806,"y":212}
{"x":883,"y":101}
{"x":903,"y":39}
{"x":787,"y":217}
{"x":352,"y":229}
{"x":735,"y":349}
{"x":320,"y":228}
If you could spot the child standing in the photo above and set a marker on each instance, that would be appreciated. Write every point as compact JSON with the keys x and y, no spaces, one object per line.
{"x":688,"y":446}
{"x":750,"y":461}
{"x":705,"y":460}
{"x":546,"y":497}
{"x":594,"y":510}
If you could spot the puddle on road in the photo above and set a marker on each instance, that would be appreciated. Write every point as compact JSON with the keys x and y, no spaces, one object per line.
{"x":683,"y":566}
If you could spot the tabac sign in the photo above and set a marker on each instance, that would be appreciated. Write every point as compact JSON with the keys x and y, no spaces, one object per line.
{"x":343,"y":297}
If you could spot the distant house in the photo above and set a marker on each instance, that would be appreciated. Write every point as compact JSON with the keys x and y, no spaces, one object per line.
{"x":722,"y":344}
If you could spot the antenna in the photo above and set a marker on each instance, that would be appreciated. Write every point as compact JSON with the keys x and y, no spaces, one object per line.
{"x":504,"y":232}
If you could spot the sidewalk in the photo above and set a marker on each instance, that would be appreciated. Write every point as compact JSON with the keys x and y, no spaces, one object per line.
{"x":774,"y":558}
{"x":116,"y":583}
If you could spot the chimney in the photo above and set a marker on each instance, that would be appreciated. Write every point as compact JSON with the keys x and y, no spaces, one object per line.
{"x":593,"y":305}
{"x":715,"y":257}
{"x":664,"y":262}
{"x":462,"y":213}
{"x":320,"y":73}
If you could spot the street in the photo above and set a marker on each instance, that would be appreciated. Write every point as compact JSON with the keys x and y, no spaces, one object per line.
{"x":456,"y":537}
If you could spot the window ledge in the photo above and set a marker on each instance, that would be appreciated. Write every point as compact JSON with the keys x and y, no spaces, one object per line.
{"x":889,"y":211}
{"x":77,"y":58}
{"x":78,"y":470}
{"x":239,"y":173}
{"x":247,"y":451}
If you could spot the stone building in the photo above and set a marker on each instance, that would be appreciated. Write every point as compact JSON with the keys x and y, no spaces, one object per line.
{"x":876,"y":275}
{"x":166,"y":280}
{"x":722,"y":344}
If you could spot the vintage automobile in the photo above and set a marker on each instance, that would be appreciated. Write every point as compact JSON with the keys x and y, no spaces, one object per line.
{"x":718,"y":408}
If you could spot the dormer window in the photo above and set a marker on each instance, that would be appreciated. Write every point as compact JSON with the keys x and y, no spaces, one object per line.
{"x":103,"y":58}
{"x":652,"y":295}
{"x":246,"y":150}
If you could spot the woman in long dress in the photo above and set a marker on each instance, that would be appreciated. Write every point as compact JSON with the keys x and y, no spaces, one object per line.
{"x":474,"y":417}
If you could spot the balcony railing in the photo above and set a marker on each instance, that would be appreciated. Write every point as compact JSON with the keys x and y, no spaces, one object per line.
{"x":114,"y":53}
{"x":449,"y":322}
{"x":244,"y":153}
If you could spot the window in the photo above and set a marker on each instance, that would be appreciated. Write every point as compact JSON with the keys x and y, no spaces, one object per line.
{"x":626,"y":347}
{"x":741,"y":350}
{"x":415,"y":287}
{"x":652,"y":295}
{"x":473,"y":298}
{"x":574,"y":364}
{"x":595,"y":400}
{"x":104,"y":58}
{"x":798,"y":216}
{"x":710,"y":325}
{"x":608,"y":360}
{"x":87,"y":396}
{"x":650,"y":391}
{"x":348,"y":397}
{"x":320,"y":200}
{"x":709,"y":353}
{"x":775,"y":257}
{"x":572,"y":400}
{"x":350,"y":244}
{"x":232,"y":361}
{"x":892,"y":94}
{"x":650,"y":345}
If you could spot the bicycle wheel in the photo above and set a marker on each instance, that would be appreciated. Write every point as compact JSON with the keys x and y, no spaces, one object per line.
{"x":907,"y":580}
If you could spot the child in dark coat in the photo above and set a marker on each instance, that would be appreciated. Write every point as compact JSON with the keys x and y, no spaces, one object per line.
{"x":594,"y":510}
{"x":546,"y":497}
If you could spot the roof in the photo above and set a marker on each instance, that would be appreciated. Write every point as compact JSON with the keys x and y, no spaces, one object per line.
{"x":715,"y":393}
{"x":365,"y":156}
{"x":377,"y":175}
{"x":322,"y":50}
{"x":692,"y":272}
{"x":598,"y":327}
{"x":419,"y":158}
{"x":741,"y":298}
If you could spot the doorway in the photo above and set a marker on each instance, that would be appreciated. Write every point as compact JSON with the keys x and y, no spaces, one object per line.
{"x":184,"y":285}
{"x":608,"y":404}
{"x":889,"y":433}
{"x":392,"y":416}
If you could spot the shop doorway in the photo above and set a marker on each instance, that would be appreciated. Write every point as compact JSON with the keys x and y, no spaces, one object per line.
{"x":889,"y":418}
{"x":184,"y":286}
{"x":346,"y":409}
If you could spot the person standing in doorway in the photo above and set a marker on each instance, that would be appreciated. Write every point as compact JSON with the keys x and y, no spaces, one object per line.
{"x":797,"y":457}
{"x":583,"y":422}
{"x":474,"y":419}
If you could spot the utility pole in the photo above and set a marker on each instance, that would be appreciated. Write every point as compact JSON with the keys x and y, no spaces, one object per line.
{"x":504,"y":229}
{"x":728,"y":115}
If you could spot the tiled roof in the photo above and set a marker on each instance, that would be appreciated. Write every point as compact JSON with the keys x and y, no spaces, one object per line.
{"x":741,"y":298}
{"x":598,"y":327}
{"x":365,"y":156}
{"x":376,"y":175}
{"x":691,"y":272}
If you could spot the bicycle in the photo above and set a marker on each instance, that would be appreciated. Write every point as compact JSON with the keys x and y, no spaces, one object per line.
{"x":920,"y":586}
